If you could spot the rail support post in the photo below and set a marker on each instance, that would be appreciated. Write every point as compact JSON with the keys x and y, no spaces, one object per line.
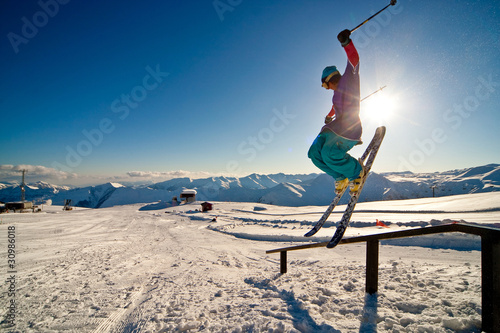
{"x":283,"y":262}
{"x":372,"y":247}
{"x":490,"y":283}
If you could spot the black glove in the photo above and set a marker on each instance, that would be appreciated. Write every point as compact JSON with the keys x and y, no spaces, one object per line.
{"x":328,"y":119}
{"x":343,"y":37}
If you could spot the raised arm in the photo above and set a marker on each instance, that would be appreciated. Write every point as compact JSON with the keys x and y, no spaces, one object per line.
{"x":350,"y":50}
{"x":352,"y":54}
{"x":352,"y":57}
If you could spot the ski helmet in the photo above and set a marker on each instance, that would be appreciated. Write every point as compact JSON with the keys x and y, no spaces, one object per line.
{"x":328,"y":73}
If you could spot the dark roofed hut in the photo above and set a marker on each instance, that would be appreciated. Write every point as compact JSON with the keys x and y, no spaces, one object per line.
{"x":206,"y":206}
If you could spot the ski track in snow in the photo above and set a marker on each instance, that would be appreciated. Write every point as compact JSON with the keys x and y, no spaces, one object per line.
{"x":124,"y":270}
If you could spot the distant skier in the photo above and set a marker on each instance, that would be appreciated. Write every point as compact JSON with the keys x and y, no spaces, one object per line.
{"x":342,"y":129}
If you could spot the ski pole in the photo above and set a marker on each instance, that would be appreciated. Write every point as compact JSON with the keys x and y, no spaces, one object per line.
{"x":376,"y":91}
{"x":393,"y":2}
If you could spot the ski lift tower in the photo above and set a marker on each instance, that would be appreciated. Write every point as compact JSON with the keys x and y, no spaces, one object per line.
{"x":433,"y":187}
{"x":23,"y":204}
{"x":23,"y":185}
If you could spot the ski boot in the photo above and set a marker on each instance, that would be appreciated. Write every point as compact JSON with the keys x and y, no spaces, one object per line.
{"x":356,"y":183}
{"x":341,"y":185}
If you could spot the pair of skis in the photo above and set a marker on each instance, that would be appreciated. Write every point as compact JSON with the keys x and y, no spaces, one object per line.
{"x":368,"y":156}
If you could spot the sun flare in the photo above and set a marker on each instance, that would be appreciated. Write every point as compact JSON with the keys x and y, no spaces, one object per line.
{"x":379,"y":107}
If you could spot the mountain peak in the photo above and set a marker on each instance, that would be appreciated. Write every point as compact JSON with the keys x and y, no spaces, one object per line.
{"x":280,"y":189}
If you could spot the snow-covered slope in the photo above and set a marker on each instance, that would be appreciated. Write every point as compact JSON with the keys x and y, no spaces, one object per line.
{"x":276,"y":189}
{"x":124,"y":269}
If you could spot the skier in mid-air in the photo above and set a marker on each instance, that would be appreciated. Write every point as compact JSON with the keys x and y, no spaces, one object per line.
{"x":341,"y":132}
{"x":342,"y":129}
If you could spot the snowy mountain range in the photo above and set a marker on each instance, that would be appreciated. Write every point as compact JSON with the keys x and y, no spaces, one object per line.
{"x":277,"y":189}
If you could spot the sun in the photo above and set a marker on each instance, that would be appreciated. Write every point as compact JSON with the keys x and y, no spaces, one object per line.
{"x":378,"y":107}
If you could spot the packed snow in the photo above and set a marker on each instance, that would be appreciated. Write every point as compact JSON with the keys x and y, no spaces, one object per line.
{"x":147,"y":268}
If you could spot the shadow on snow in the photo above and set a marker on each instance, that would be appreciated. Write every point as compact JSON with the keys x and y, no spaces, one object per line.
{"x":301,"y":319}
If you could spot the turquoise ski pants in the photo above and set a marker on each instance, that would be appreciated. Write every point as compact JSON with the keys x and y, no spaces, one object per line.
{"x":329,"y":153}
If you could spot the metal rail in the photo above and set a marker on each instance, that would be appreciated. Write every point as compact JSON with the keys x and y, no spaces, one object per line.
{"x":490,"y":262}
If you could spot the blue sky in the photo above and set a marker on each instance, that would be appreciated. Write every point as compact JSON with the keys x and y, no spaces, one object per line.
{"x":94,"y":91}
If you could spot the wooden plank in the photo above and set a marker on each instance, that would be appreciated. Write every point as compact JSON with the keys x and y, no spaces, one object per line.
{"x":299,"y":247}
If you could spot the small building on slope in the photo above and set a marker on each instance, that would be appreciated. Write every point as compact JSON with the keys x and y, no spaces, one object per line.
{"x":188,"y":195}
